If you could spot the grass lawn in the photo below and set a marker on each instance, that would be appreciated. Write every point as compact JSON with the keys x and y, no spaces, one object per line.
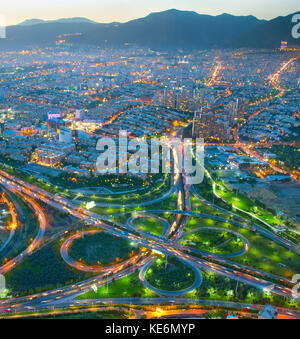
{"x":150,"y":225}
{"x":174,"y":276}
{"x":215,"y":287}
{"x":102,"y":248}
{"x":195,"y":222}
{"x":268,"y":256}
{"x":126,"y":287}
{"x":199,"y":207}
{"x":43,"y":271}
{"x":247,"y":205}
{"x":263,"y":254}
{"x":148,"y":193}
{"x":214,"y":241}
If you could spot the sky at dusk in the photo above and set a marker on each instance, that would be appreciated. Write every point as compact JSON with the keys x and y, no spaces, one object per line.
{"x":16,"y":11}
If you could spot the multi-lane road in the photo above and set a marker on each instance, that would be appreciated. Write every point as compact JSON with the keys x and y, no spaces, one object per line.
{"x":152,"y":242}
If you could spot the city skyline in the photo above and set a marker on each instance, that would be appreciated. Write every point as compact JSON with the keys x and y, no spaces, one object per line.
{"x":126,"y":10}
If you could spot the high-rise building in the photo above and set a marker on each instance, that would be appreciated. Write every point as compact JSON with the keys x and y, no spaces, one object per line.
{"x":65,"y":135}
{"x":79,"y":114}
{"x":284,"y":45}
{"x":211,"y":126}
{"x":4,"y":92}
{"x":179,"y":98}
{"x":235,"y":111}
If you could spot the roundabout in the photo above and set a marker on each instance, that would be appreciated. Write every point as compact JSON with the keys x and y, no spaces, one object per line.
{"x":197,"y":280}
{"x":99,"y":267}
{"x":219,"y":241}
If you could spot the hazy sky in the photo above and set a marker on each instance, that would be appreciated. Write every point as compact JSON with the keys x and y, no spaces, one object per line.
{"x":16,"y":11}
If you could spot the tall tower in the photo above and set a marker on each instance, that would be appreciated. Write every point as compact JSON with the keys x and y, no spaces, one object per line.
{"x":164,"y":97}
{"x":236,"y":110}
{"x":3,"y":92}
{"x":197,"y":116}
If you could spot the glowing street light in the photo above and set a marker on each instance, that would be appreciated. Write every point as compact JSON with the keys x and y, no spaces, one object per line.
{"x":90,"y":205}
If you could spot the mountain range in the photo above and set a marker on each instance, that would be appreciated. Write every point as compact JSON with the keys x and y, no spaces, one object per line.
{"x":170,"y":29}
{"x":32,"y":22}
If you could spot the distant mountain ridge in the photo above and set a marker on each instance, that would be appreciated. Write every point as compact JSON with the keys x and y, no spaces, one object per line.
{"x":171,"y":29}
{"x":177,"y":29}
{"x":269,"y":34}
{"x":32,"y":22}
